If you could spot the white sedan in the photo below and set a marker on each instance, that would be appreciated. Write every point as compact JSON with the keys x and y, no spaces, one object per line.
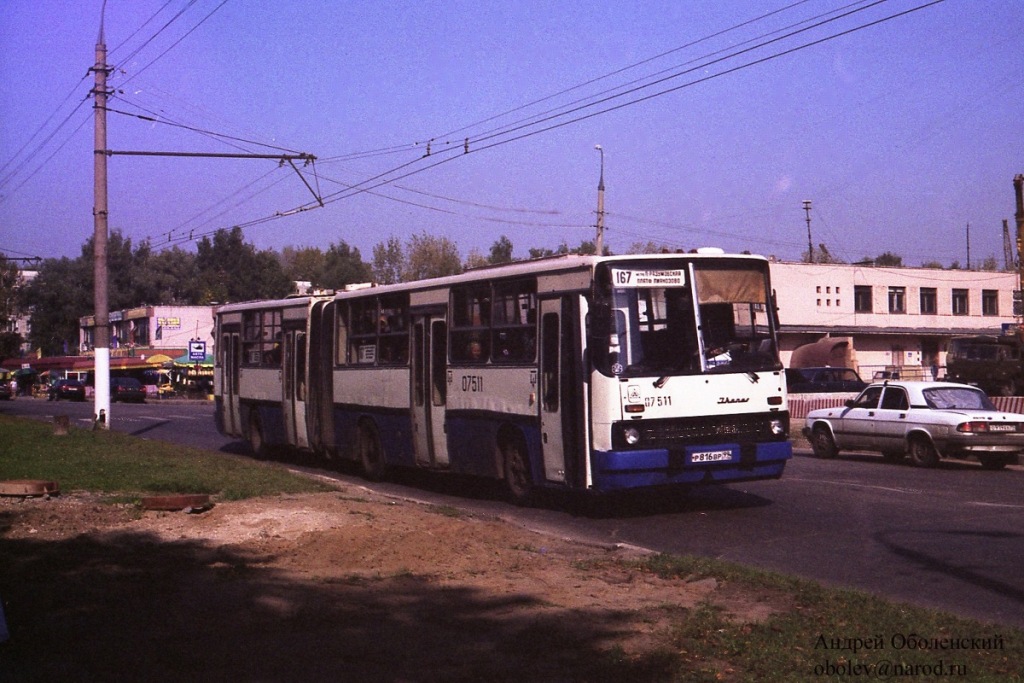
{"x":925,"y":420}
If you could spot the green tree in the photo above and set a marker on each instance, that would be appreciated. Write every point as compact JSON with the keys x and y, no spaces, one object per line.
{"x":388,"y":262}
{"x":232,"y":270}
{"x":58,"y":297}
{"x":343,"y":265}
{"x":304,"y":263}
{"x":10,"y":341}
{"x":476,"y":259}
{"x":168,"y":277}
{"x":501,"y":251}
{"x":429,"y":256}
{"x":889,"y":259}
{"x":648,"y":247}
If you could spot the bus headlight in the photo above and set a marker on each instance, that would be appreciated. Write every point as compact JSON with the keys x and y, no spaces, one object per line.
{"x":632,"y":435}
{"x":778,"y":429}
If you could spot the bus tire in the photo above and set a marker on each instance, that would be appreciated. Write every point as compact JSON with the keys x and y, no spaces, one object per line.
{"x":518,"y":479}
{"x":371,"y":453}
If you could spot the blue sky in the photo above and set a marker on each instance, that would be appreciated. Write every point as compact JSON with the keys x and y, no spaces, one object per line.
{"x":901,"y":134}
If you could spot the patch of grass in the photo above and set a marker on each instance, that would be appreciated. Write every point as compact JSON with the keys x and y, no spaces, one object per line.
{"x":448,"y":511}
{"x":110,"y":462}
{"x":821,"y":633}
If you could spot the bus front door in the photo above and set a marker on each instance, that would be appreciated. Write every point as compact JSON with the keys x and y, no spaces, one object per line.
{"x":429,"y":389}
{"x":551,"y":378}
{"x":294,"y":401}
{"x":230,"y":360}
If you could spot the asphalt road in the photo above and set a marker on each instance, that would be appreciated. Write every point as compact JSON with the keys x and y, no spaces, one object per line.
{"x":951,"y":538}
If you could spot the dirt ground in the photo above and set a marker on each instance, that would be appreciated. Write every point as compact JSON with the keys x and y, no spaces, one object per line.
{"x":343,"y":586}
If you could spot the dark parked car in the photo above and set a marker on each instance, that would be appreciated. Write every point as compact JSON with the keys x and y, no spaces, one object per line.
{"x":6,"y":390}
{"x":823,"y":380}
{"x":127,"y":389}
{"x":67,"y":389}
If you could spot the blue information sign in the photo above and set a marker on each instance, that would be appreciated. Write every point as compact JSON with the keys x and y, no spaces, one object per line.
{"x":197,"y":351}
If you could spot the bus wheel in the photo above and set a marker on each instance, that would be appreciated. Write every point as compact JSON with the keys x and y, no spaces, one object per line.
{"x":256,"y":441}
{"x":517,"y":471}
{"x":923,"y":453}
{"x":371,"y":454}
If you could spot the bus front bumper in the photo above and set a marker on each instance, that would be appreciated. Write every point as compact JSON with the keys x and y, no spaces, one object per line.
{"x":717,"y":464}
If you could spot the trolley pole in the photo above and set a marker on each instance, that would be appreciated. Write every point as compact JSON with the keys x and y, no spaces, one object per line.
{"x":101,"y":329}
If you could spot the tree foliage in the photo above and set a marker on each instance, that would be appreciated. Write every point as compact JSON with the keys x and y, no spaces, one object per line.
{"x":10,"y":341}
{"x":430,"y":256}
{"x":501,"y":251}
{"x":343,"y":265}
{"x":388,"y":262}
{"x":647,"y":247}
{"x":889,"y":259}
{"x":340,"y":265}
{"x":231,"y":270}
{"x":57,"y":297}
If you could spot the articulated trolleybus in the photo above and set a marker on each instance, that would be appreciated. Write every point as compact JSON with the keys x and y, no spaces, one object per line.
{"x":577,"y":372}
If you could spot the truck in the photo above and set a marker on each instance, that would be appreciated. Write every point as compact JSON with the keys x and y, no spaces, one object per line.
{"x":990,"y":362}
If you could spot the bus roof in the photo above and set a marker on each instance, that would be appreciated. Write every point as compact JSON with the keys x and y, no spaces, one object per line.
{"x":561,"y":263}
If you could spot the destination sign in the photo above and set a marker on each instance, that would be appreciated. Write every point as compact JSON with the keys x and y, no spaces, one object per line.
{"x":628,"y":277}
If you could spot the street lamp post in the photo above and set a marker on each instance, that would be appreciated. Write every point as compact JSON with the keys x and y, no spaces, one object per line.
{"x":810,"y":245}
{"x":600,"y":206}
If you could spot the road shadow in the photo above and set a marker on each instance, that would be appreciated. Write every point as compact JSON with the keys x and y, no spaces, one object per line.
{"x":129,"y":606}
{"x":670,"y":501}
{"x":960,"y":565}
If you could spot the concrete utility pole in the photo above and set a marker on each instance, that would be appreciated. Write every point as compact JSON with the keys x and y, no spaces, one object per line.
{"x":101,"y":329}
{"x":1018,"y":189}
{"x":968,"y":246}
{"x":810,"y":245}
{"x":600,"y":205}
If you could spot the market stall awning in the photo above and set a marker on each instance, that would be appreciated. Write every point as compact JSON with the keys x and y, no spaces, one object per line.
{"x":125,"y":363}
{"x":184,"y":361}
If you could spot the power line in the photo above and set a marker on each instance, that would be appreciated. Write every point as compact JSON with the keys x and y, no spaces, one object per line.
{"x":555,"y":122}
{"x":173,"y":45}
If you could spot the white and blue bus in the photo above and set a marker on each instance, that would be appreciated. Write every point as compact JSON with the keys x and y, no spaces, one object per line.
{"x":576,"y":373}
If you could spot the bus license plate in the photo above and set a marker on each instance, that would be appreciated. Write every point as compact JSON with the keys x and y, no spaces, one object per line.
{"x":710,"y":456}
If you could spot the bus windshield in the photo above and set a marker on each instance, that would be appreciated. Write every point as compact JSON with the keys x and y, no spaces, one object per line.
{"x":708,"y":318}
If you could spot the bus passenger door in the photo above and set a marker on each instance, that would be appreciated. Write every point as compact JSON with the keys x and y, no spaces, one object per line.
{"x":294,"y":400}
{"x":429,"y":389}
{"x":230,"y":360}
{"x":550,"y":387}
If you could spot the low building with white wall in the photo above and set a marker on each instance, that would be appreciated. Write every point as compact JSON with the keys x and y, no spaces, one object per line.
{"x":885,"y":319}
{"x":151,"y":329}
